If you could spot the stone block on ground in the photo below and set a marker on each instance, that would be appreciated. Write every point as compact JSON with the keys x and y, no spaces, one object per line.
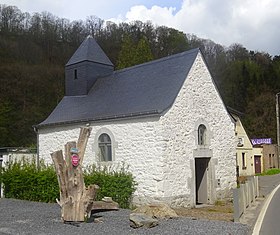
{"x":141,"y":220}
{"x":159,"y":211}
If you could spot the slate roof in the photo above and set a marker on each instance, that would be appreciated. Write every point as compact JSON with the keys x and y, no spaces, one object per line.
{"x":89,"y":50}
{"x":146,"y":89}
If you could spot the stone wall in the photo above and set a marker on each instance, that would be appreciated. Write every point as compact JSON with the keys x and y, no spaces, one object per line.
{"x":197,"y":103}
{"x":135,"y":142}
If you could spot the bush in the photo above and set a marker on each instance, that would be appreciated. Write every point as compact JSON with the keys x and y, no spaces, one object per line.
{"x":119,"y":185}
{"x":22,"y":180}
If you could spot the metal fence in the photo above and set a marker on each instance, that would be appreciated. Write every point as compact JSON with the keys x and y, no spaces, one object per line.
{"x":244,"y":196}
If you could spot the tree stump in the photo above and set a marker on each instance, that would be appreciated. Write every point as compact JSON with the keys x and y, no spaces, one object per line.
{"x":76,"y":200}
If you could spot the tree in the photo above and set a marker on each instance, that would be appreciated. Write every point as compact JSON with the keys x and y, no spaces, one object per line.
{"x":127,"y":54}
{"x":132,"y":54}
{"x":143,"y":52}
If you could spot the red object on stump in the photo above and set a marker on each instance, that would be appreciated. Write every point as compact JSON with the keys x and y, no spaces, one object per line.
{"x":75,"y":160}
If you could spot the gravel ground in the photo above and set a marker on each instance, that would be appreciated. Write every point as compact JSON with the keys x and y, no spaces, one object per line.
{"x":34,"y":218}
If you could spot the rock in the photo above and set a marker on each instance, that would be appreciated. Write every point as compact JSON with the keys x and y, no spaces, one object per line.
{"x":160,"y":211}
{"x":141,"y":220}
{"x":98,"y":220}
{"x":107,"y":199}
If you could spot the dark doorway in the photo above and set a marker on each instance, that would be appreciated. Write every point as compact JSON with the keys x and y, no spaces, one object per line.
{"x":201,"y":180}
{"x":257,"y":164}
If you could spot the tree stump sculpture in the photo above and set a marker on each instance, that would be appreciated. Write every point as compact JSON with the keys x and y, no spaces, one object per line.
{"x":76,"y":200}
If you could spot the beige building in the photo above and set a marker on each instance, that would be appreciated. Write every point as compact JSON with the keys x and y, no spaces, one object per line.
{"x":244,"y":148}
{"x":270,"y":159}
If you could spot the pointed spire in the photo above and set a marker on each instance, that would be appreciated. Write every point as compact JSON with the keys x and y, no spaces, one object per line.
{"x":89,"y":50}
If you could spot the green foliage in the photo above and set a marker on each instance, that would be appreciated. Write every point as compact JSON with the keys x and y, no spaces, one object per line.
{"x":22,"y":180}
{"x":119,"y":185}
{"x":272,"y":171}
{"x":35,"y":47}
{"x":127,"y":54}
{"x":132,"y":54}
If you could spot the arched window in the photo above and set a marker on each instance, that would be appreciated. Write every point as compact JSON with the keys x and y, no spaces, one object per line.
{"x":105,"y":148}
{"x":201,"y":135}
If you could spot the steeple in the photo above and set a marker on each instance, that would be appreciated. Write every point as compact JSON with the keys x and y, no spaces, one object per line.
{"x":87,"y":64}
{"x":89,"y":50}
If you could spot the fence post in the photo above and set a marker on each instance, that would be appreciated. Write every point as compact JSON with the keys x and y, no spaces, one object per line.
{"x":236,"y":205}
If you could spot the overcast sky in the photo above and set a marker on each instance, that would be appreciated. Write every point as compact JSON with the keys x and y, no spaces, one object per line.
{"x":253,"y":23}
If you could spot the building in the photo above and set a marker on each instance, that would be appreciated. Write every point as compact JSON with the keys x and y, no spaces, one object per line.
{"x":164,"y":119}
{"x":266,"y":154}
{"x":270,"y":156}
{"x":244,"y":147}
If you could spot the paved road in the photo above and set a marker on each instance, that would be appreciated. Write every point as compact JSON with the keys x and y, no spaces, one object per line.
{"x":266,"y":185}
{"x":271,"y":219}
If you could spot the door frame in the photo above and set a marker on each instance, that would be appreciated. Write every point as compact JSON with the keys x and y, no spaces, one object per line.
{"x":202,"y":180}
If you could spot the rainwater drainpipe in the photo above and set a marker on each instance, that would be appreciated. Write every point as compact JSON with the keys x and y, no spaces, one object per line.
{"x":278,"y":127}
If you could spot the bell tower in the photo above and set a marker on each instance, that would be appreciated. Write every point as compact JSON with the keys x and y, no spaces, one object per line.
{"x":88,"y":63}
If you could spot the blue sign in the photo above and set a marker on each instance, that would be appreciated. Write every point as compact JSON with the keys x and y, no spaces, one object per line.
{"x":261,"y":141}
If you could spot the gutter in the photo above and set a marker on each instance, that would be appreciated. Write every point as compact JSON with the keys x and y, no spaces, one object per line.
{"x":152,"y":113}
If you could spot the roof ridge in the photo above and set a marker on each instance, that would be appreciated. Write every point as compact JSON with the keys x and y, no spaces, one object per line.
{"x":194,"y":50}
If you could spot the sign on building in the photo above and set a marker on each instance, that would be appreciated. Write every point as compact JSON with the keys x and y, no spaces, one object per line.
{"x":261,"y":141}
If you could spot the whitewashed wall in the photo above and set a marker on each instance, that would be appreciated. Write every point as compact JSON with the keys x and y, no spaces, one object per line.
{"x":160,"y":151}
{"x":198,"y":101}
{"x":137,"y":143}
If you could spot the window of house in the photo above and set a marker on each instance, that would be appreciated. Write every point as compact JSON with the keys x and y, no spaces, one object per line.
{"x":270,"y":165}
{"x":75,"y":74}
{"x":105,"y":147}
{"x":243,"y":161}
{"x":240,"y":142}
{"x":202,"y":135}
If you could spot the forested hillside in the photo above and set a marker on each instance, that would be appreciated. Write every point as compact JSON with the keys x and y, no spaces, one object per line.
{"x":35,"y":47}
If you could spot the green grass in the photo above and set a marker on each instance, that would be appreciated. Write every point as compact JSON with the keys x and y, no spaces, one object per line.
{"x":273,"y":171}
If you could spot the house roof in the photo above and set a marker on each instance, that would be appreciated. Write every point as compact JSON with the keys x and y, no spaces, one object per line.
{"x":145,"y":89}
{"x":89,"y":50}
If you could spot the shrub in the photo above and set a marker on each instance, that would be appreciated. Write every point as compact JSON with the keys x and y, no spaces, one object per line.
{"x":22,"y":180}
{"x":119,"y":185}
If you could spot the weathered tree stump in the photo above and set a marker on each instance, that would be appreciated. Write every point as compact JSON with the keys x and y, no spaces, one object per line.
{"x":76,"y":200}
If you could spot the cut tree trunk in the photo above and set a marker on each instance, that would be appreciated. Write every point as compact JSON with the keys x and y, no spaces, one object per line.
{"x":76,"y":200}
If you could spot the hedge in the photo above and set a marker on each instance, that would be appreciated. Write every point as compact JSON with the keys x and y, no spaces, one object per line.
{"x":22,"y":180}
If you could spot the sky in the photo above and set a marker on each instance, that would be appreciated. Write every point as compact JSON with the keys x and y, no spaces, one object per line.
{"x":255,"y":24}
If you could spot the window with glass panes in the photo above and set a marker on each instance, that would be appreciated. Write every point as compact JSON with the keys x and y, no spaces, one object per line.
{"x":201,"y":135}
{"x":105,"y":148}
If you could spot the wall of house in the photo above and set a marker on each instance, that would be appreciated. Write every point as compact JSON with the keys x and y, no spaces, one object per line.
{"x":198,"y":103}
{"x":18,"y":156}
{"x":136,"y":142}
{"x":244,"y":151}
{"x":270,"y":159}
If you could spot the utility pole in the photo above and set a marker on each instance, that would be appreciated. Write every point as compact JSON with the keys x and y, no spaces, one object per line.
{"x":278,"y":127}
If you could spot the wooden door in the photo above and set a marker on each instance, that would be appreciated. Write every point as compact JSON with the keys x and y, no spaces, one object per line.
{"x":257,"y":164}
{"x":201,"y":175}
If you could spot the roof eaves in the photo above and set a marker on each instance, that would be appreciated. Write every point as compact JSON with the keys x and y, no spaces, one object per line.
{"x":75,"y":63}
{"x":105,"y":118}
